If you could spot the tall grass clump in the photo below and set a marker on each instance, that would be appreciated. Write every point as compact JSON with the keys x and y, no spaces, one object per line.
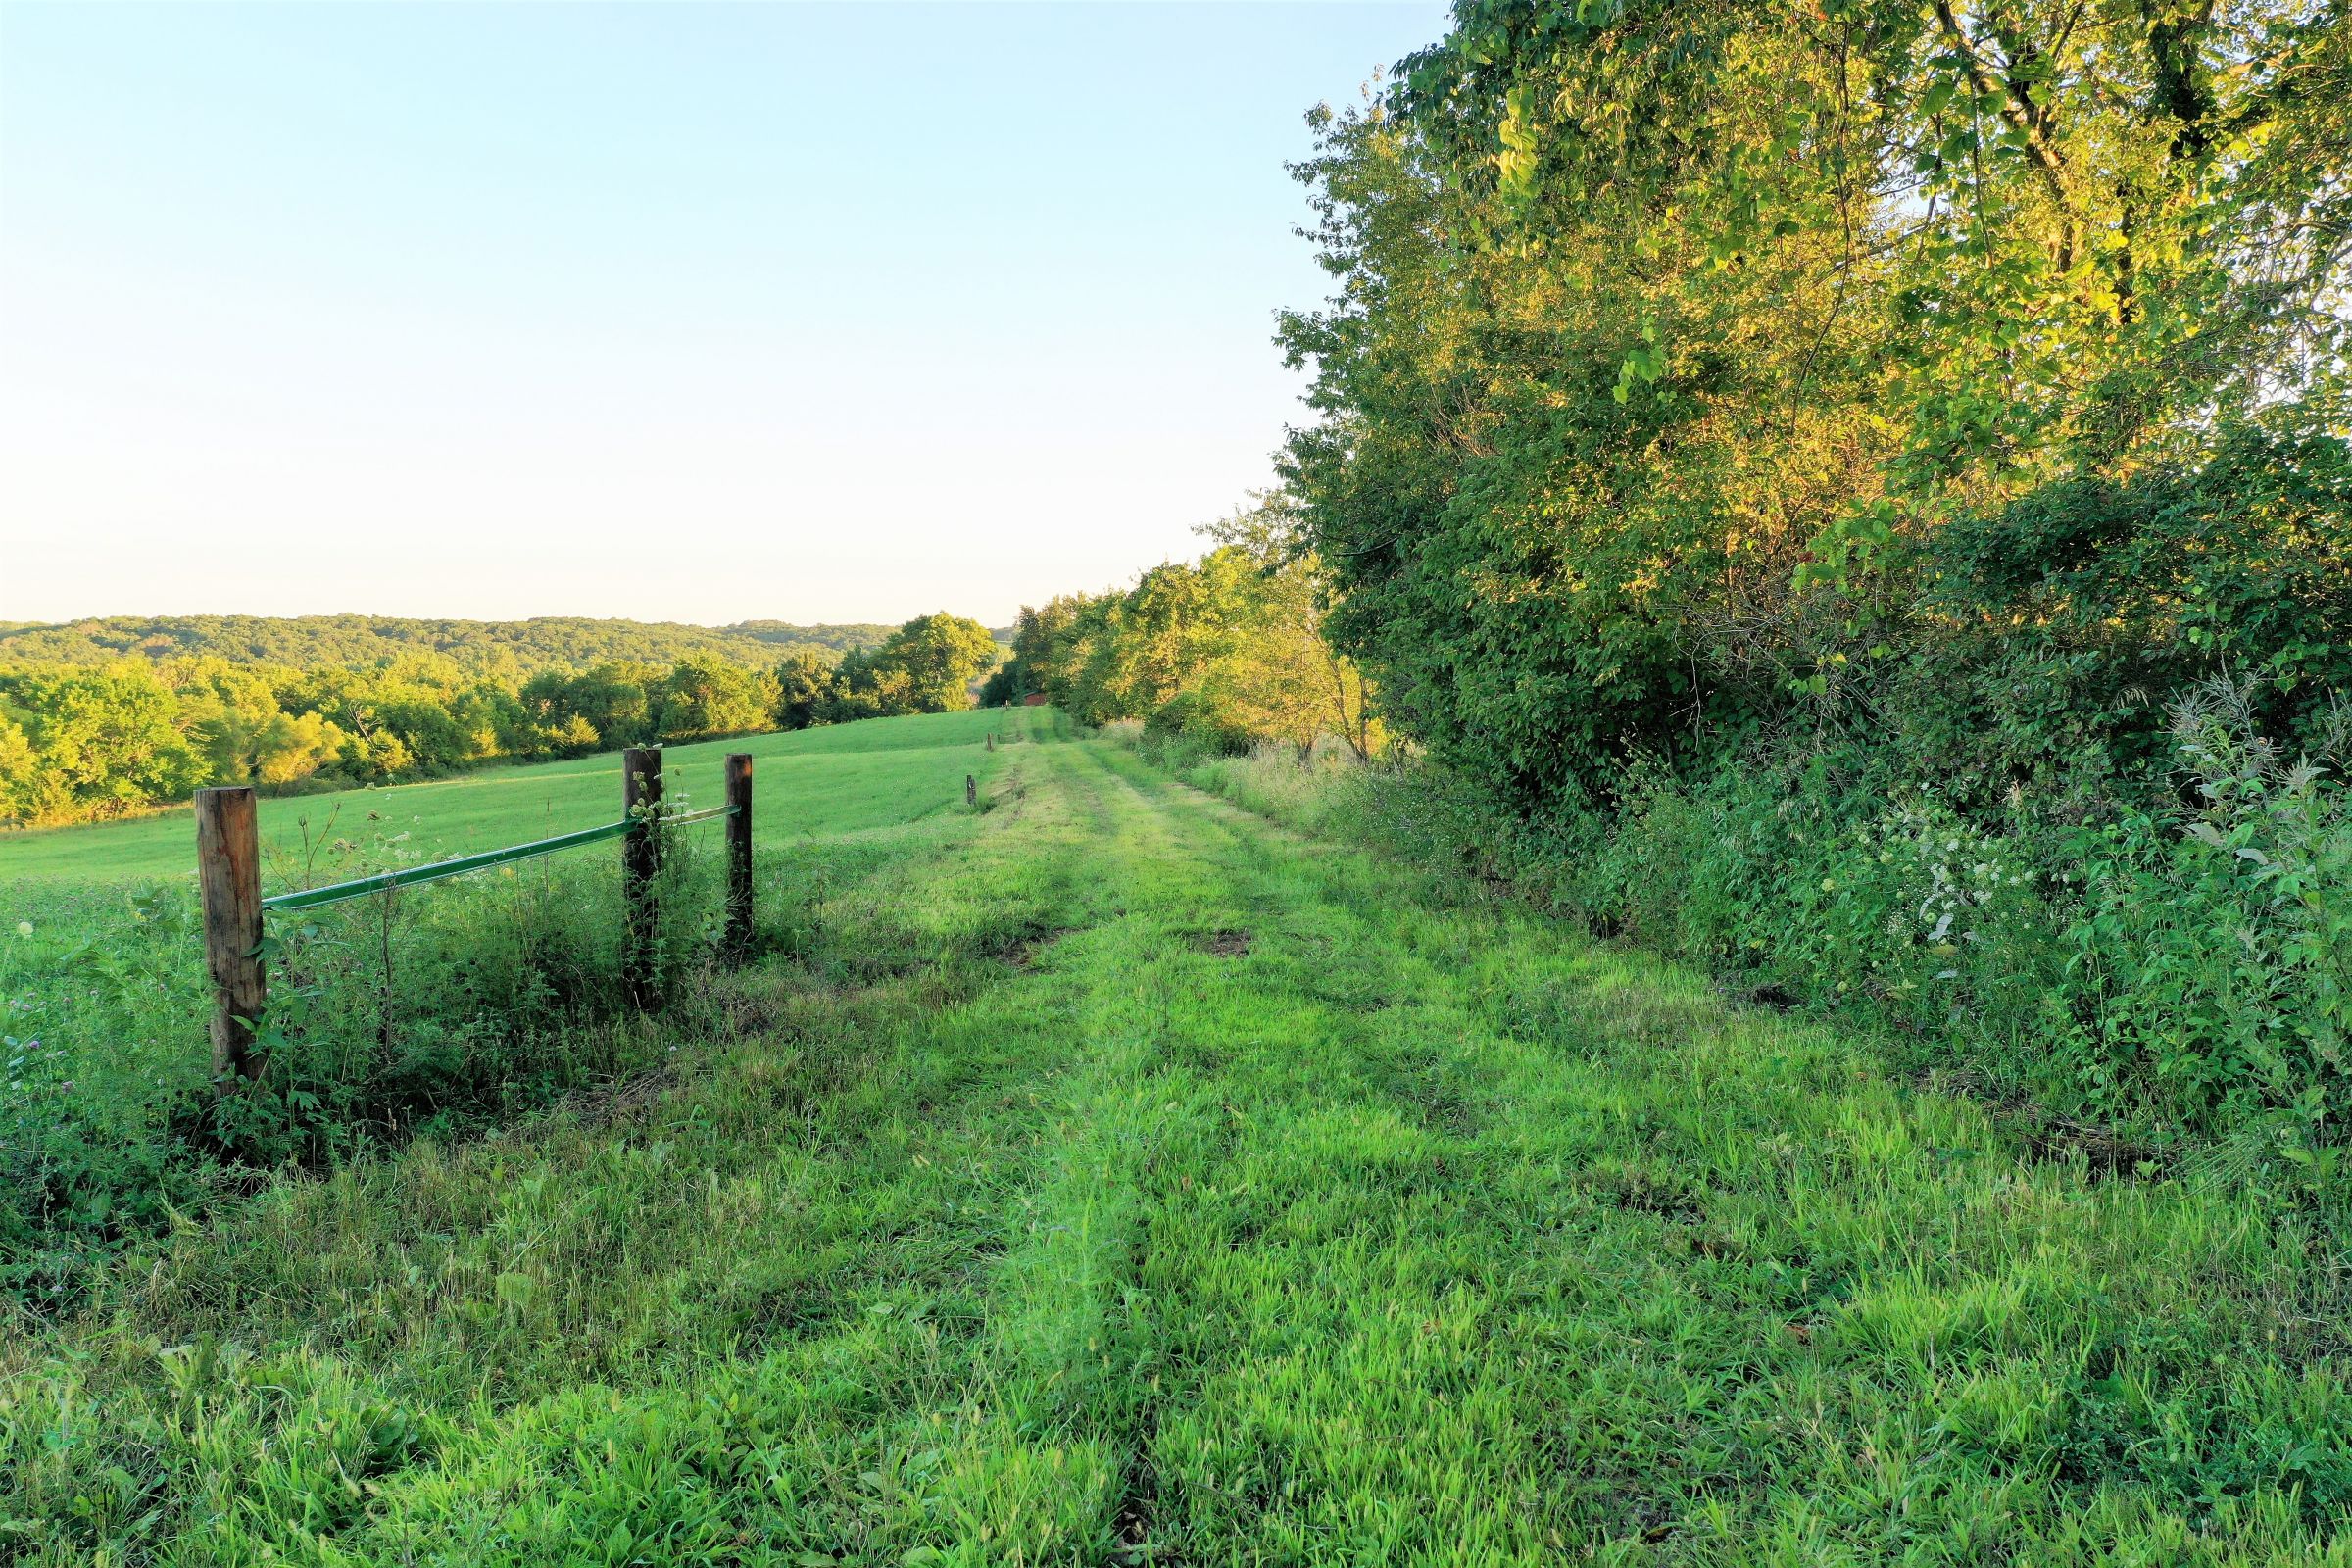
{"x":2180,"y":966}
{"x":416,"y":1010}
{"x":1311,"y":789}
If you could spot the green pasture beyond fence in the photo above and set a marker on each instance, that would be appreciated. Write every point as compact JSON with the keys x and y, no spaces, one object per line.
{"x":228,"y":874}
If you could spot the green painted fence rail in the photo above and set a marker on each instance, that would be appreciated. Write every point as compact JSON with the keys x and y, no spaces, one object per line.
{"x":385,"y":881}
{"x":228,"y":871}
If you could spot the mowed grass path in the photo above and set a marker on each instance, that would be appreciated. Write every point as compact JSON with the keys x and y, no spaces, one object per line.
{"x":1121,"y":1180}
{"x":862,"y":776}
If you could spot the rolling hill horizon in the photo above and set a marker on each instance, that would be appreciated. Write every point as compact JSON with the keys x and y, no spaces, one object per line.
{"x":346,"y":638}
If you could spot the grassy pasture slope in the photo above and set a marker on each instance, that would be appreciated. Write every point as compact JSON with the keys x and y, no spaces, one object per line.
{"x":834,"y":777}
{"x":1118,"y":1179}
{"x":102,"y":1099}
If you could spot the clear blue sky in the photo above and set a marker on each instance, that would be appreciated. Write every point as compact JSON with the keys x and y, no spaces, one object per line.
{"x":698,"y":313}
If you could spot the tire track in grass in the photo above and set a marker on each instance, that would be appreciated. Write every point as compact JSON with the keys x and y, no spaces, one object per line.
{"x":860,"y":1163}
{"x":1646,"y":1279}
{"x":1078,"y":1358}
{"x":1169,"y":1106}
{"x":1263,"y":1062}
{"x":1079,"y":1371}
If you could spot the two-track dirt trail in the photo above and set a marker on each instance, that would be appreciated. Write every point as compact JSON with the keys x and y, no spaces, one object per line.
{"x":1123,"y":1179}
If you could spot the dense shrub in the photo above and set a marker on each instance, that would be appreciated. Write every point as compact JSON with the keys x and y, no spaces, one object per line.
{"x":2183,"y":967}
{"x":2051,"y":632}
{"x":2210,"y":959}
{"x":1199,"y":718}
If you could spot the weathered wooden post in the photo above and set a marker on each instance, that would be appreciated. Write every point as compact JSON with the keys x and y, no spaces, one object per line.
{"x":228,"y":872}
{"x":971,"y":790}
{"x":992,"y":739}
{"x":739,"y":852}
{"x":640,"y":861}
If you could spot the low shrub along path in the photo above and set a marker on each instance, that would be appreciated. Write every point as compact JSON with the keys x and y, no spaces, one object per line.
{"x":1116,"y":1178}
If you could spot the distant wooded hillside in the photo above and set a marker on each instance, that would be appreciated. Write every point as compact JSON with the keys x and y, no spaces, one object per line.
{"x":482,"y":646}
{"x":107,"y":717}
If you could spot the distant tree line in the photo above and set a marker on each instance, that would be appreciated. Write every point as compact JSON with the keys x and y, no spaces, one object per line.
{"x":1224,"y":651}
{"x":83,"y":739}
{"x":511,"y":648}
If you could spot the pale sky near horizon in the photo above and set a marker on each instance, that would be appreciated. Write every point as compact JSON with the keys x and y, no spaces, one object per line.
{"x":698,"y":313}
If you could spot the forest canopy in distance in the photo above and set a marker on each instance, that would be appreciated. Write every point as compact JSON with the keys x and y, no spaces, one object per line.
{"x":100,"y":718}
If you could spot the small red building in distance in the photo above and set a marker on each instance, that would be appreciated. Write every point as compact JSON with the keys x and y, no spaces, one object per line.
{"x":1034,"y":700}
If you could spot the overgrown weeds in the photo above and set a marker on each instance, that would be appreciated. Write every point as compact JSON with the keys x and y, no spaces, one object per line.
{"x":2165,"y":973}
{"x":414,"y":1011}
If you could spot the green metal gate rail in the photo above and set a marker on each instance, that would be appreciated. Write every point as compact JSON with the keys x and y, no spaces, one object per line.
{"x":386,"y":881}
{"x":228,"y":871}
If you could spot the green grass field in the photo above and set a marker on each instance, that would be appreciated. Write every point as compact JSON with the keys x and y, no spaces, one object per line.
{"x":438,"y":1008}
{"x":1115,"y":1177}
{"x":821,"y":780}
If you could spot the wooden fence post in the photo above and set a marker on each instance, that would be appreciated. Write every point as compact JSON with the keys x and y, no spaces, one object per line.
{"x":739,"y":853}
{"x":640,"y":861}
{"x":971,"y":790}
{"x":228,"y":872}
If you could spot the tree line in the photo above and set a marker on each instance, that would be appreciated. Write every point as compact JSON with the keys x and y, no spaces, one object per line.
{"x":1857,"y":495}
{"x":82,"y":741}
{"x":1944,"y":383}
{"x":505,"y":649}
{"x":1223,"y":652}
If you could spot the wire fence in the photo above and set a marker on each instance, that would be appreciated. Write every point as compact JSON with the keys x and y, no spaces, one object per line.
{"x":228,"y":874}
{"x":408,"y":876}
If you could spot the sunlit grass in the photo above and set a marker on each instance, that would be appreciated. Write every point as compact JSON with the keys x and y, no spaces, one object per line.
{"x":866,"y":775}
{"x":425,"y":1010}
{"x":1112,"y":1177}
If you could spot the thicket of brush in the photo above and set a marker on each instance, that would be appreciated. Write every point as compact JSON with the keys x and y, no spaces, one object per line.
{"x":1859,"y":496}
{"x":2182,"y":967}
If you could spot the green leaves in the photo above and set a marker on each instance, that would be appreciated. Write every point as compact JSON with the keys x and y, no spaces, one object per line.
{"x":1518,"y":159}
{"x":1645,"y":363}
{"x":1665,"y":352}
{"x":1842,"y":552}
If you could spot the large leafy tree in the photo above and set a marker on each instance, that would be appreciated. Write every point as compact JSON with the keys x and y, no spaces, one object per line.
{"x":1668,"y":336}
{"x":929,"y":664}
{"x":702,"y":696}
{"x":96,"y":743}
{"x":803,"y":687}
